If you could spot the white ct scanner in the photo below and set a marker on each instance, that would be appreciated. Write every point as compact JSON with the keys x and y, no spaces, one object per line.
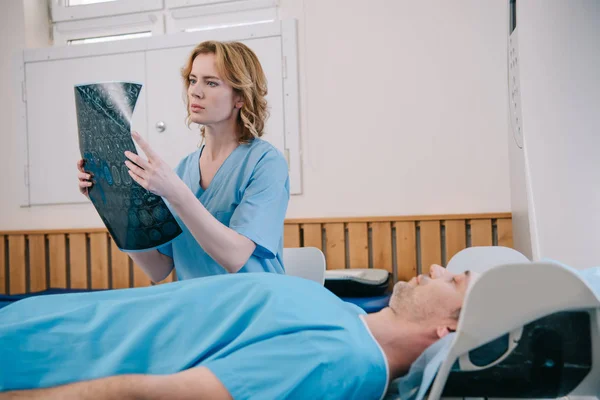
{"x":530,"y":326}
{"x":554,"y":129}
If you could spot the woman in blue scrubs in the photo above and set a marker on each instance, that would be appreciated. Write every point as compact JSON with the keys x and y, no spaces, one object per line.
{"x":230,"y":196}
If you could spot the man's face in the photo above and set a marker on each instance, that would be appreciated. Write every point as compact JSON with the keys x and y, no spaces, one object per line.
{"x":435,"y":298}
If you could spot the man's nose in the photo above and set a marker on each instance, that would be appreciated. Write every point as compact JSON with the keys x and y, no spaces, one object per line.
{"x":433,"y":271}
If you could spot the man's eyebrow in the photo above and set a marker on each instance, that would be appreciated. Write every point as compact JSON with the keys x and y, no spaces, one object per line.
{"x":467,"y":273}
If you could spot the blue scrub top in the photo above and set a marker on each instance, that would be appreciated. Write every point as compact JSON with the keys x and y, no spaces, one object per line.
{"x":264,"y":335}
{"x":249,"y":194}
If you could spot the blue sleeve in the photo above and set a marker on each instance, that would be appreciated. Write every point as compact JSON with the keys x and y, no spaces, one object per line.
{"x":166,"y":249}
{"x":261,"y":212}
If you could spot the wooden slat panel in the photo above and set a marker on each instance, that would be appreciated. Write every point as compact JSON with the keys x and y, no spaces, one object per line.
{"x":402,"y":218}
{"x":431,"y":245}
{"x":309,"y":235}
{"x":291,"y":235}
{"x":119,"y":267}
{"x":382,"y":245}
{"x":78,"y":261}
{"x":58,"y":260}
{"x":358,"y":242}
{"x":16,"y":259}
{"x":505,"y":233}
{"x":37,"y":263}
{"x":399,"y":218}
{"x":406,"y":248}
{"x":313,"y":236}
{"x":140,"y":279}
{"x":99,"y":260}
{"x":335,"y":252}
{"x":456,"y":238}
{"x":70,"y":231}
{"x":481,"y":232}
{"x":2,"y":266}
{"x":382,"y":248}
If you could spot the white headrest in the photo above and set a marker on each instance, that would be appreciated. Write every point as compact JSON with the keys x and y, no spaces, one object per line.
{"x":480,"y":259}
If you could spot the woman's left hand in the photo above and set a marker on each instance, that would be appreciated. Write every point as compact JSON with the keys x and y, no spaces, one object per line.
{"x":152,"y":174}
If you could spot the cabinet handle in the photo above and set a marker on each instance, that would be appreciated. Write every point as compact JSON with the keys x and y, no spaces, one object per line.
{"x":161,"y":126}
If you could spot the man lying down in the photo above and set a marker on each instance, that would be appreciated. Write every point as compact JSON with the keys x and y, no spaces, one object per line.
{"x":260,"y":336}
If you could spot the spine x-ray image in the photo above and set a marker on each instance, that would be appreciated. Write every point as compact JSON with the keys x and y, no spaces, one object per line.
{"x":136,"y":218}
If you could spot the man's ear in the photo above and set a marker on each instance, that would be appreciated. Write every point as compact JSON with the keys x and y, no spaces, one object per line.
{"x":443,"y":330}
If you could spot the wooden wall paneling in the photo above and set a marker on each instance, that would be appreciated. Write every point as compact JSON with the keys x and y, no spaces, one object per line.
{"x":335,"y":251}
{"x":16,"y":270}
{"x":381,"y":234}
{"x":358,"y":245}
{"x":3,"y":266}
{"x":291,"y":235}
{"x":57,"y":257}
{"x":99,"y":260}
{"x":481,"y":232}
{"x":78,"y":260}
{"x":119,"y":267}
{"x":312,"y":235}
{"x":431,"y":246}
{"x":505,"y":232}
{"x":37,"y":263}
{"x":456,"y":237}
{"x":406,"y":250}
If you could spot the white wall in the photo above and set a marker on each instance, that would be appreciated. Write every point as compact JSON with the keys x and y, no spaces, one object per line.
{"x":12,"y":217}
{"x":37,"y":24}
{"x":405,"y":108}
{"x":559,"y":60}
{"x":403,"y":111}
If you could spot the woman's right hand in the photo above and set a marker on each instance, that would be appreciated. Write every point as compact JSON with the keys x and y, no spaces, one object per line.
{"x":84,"y":179}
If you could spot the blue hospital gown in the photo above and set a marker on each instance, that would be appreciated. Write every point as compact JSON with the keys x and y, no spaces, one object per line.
{"x":266,"y":336}
{"x":249,"y":194}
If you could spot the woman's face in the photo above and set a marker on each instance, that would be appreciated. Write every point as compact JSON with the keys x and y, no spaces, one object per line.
{"x":211,"y":101}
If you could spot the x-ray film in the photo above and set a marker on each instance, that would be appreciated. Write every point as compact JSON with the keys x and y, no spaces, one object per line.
{"x":136,"y":218}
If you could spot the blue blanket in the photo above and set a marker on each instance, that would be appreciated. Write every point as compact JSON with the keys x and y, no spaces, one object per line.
{"x":6,"y":299}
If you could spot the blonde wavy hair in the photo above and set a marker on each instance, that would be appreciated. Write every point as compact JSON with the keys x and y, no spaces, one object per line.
{"x":239,"y":67}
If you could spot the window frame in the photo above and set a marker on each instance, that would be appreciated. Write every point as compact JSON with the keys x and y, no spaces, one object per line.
{"x":176,"y":22}
{"x":60,"y":12}
{"x":174,"y":4}
{"x":64,"y":32}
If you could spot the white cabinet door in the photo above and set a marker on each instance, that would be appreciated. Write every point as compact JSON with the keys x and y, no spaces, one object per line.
{"x":53,"y":142}
{"x":166,"y":98}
